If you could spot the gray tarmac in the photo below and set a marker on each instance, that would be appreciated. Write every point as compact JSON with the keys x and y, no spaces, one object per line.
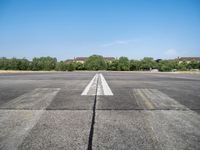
{"x":146,"y":111}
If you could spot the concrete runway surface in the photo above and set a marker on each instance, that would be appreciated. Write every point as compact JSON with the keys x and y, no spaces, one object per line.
{"x":99,"y":110}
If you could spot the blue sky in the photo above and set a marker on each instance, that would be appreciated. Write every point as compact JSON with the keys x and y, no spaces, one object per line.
{"x":72,"y":28}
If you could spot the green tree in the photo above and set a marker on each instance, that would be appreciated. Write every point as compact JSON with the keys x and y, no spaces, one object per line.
{"x":61,"y":66}
{"x":135,"y":65}
{"x":182,"y":66}
{"x":79,"y":66}
{"x":147,"y":63}
{"x":44,"y":63}
{"x":114,"y":65}
{"x":124,"y":64}
{"x":13,"y":65}
{"x":71,"y":67}
{"x":23,"y":64}
{"x":167,"y":65}
{"x":193,"y":65}
{"x":95,"y":62}
{"x":4,"y":63}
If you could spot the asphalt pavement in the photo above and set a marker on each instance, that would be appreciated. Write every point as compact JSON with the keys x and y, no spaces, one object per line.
{"x":99,"y":110}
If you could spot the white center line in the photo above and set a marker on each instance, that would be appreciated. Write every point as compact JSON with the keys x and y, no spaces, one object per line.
{"x":89,"y":86}
{"x":106,"y":88}
{"x":102,"y":87}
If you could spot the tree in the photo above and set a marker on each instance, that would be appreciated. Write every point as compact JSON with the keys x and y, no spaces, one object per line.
{"x":61,"y":66}
{"x":4,"y":63}
{"x":71,"y":67}
{"x":79,"y":66}
{"x":135,"y":65}
{"x":114,"y":65}
{"x":44,"y":63}
{"x":167,"y":65}
{"x":193,"y":65}
{"x":23,"y":64}
{"x":95,"y":62}
{"x":147,"y":63}
{"x":124,"y":64}
{"x":13,"y":65}
{"x":182,"y":66}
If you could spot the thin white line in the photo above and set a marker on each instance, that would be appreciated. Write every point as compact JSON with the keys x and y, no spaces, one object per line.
{"x":100,"y":87}
{"x":86,"y":90}
{"x":106,"y":88}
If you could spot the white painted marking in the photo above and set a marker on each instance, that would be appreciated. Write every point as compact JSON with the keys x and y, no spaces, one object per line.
{"x":16,"y":124}
{"x":101,"y":89}
{"x":39,"y":98}
{"x":155,"y":99}
{"x":89,"y":86}
{"x":105,"y":87}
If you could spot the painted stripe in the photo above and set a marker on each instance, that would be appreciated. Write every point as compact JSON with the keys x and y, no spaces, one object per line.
{"x":155,"y":99}
{"x":147,"y":102}
{"x":39,"y":98}
{"x":16,"y":124}
{"x":91,"y":86}
{"x":105,"y":87}
{"x":101,"y":89}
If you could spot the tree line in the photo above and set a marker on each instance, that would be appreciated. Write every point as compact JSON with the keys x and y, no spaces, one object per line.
{"x":96,"y":62}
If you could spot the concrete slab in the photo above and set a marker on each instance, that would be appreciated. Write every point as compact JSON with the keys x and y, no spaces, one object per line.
{"x":14,"y":126}
{"x":39,"y":98}
{"x":160,"y":129}
{"x":123,"y":130}
{"x":176,"y":129}
{"x":155,"y":99}
{"x":71,"y":100}
{"x":118,"y":123}
{"x":182,"y":88}
{"x":121,"y":99}
{"x":60,"y":129}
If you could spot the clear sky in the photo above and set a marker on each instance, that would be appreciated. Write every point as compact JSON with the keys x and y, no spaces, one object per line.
{"x":72,"y":28}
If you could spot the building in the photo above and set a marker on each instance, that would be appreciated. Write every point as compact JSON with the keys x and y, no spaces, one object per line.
{"x":80,"y":59}
{"x":188,"y":59}
{"x":109,"y":59}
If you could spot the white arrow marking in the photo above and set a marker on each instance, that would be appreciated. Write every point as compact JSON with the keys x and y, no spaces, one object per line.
{"x":101,"y":89}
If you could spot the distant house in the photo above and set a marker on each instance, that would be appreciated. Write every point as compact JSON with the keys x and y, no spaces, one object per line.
{"x":69,"y":60}
{"x":80,"y":59}
{"x":109,"y":59}
{"x":188,"y":59}
{"x":83,"y":59}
